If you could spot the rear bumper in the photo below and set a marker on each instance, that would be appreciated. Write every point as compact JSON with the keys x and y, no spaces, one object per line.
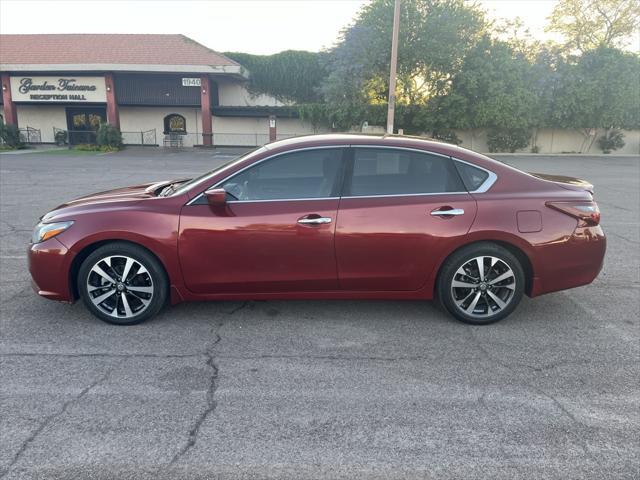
{"x":572,"y":263}
{"x":49,"y":264}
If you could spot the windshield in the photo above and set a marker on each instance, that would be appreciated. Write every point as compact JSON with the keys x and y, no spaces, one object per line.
{"x":188,"y":185}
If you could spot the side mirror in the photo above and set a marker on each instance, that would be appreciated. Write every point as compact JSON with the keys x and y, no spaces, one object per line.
{"x":217,"y":197}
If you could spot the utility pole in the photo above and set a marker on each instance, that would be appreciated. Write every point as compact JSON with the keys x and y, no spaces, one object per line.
{"x":394,"y":63}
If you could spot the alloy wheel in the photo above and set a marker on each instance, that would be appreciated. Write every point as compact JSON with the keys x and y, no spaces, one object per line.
{"x":120,"y":286}
{"x":483,"y":286}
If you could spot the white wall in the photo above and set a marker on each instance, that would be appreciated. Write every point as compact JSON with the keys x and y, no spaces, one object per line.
{"x":295,"y":127}
{"x":255,"y":131}
{"x":555,"y":141}
{"x":43,"y":118}
{"x":233,"y":93}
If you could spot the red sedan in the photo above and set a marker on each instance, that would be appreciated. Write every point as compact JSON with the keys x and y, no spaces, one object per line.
{"x":326,"y":216}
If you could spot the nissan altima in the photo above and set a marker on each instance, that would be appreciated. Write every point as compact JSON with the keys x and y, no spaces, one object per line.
{"x":326,"y":217}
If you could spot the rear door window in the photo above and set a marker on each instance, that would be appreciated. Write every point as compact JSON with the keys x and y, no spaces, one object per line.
{"x":389,"y":171}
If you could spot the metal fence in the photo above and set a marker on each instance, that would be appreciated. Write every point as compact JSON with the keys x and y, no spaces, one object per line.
{"x":146,"y":138}
{"x":184,"y":140}
{"x":151,"y":138}
{"x":77,"y":137}
{"x":30,"y":135}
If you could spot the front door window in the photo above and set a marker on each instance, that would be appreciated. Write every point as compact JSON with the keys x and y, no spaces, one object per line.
{"x":292,"y":176}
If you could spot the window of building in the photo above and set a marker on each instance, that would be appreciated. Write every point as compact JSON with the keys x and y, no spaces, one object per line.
{"x":305,"y":174}
{"x":174,"y":123}
{"x":388,"y":171}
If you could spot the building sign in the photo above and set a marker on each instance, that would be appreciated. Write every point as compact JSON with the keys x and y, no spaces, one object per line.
{"x":58,"y":89}
{"x":190,"y":82}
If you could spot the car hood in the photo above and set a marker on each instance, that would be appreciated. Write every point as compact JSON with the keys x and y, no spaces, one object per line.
{"x":570,"y":183}
{"x":123,"y":196}
{"x":134,"y":192}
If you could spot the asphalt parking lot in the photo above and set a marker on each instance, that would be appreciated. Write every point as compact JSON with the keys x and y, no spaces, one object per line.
{"x":316,"y":389}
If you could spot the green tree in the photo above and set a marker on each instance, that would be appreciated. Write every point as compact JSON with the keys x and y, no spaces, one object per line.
{"x":590,"y":24}
{"x":495,"y":87}
{"x":289,"y":76}
{"x":434,"y":37}
{"x":600,"y":90}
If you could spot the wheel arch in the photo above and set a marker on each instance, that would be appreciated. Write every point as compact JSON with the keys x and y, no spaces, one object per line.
{"x":92,"y":247}
{"x":515,"y":250}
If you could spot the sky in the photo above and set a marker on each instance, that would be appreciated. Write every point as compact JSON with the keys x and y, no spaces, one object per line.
{"x":253,"y":26}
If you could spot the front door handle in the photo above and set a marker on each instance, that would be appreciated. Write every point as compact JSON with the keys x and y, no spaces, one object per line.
{"x":444,"y":213}
{"x":313,"y":220}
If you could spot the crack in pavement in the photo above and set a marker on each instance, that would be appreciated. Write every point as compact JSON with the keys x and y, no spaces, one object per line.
{"x":498,"y":418}
{"x":51,"y":418}
{"x":101,"y":355}
{"x":14,"y":228}
{"x":230,"y":357}
{"x":530,"y":385}
{"x":623,"y":237}
{"x":19,"y":294}
{"x":210,"y":404}
{"x":237,"y":309}
{"x":328,"y":357}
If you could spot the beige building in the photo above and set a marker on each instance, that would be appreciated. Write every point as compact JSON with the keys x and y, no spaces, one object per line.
{"x":158,"y":89}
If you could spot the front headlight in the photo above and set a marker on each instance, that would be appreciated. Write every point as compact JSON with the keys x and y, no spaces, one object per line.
{"x":45,"y":231}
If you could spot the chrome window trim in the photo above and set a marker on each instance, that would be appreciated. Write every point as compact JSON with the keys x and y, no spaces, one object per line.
{"x":284,"y":200}
{"x":488,"y":183}
{"x":404,"y":195}
{"x":484,"y":187}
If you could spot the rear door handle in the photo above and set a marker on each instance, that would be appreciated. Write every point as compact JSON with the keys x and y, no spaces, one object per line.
{"x":451,"y":211}
{"x":311,"y":220}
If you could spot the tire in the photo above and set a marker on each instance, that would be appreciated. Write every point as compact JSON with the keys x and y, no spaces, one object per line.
{"x":484,"y":300}
{"x":134,"y":299}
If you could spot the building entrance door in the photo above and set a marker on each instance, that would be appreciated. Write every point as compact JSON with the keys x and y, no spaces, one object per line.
{"x":83,"y":122}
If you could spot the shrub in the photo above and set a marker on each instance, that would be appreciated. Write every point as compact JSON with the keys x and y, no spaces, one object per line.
{"x":447,"y":136}
{"x":611,"y":140}
{"x":507,"y":139}
{"x":109,"y":136}
{"x":89,"y":147}
{"x":10,"y":136}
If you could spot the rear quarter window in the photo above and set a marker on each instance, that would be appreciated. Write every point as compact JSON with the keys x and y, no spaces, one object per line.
{"x":472,"y":177}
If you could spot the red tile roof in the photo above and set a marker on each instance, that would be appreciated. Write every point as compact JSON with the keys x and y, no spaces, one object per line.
{"x":49,"y":49}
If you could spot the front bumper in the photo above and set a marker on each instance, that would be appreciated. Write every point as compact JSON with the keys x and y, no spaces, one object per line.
{"x":49,"y":264}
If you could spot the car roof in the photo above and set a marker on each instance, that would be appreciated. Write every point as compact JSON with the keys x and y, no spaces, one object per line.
{"x":386,"y":140}
{"x":358,"y":139}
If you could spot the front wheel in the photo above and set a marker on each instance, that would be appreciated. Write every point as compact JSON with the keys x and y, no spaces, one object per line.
{"x":481,"y":283}
{"x":122,"y":283}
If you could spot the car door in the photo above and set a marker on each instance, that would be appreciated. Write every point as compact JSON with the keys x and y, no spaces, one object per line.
{"x":399,"y":210}
{"x":276,"y":232}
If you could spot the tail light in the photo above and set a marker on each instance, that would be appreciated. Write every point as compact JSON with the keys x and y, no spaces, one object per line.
{"x":587,"y":213}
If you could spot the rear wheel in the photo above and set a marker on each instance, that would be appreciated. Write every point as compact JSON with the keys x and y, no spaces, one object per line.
{"x":122,"y":283}
{"x":481,"y":283}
